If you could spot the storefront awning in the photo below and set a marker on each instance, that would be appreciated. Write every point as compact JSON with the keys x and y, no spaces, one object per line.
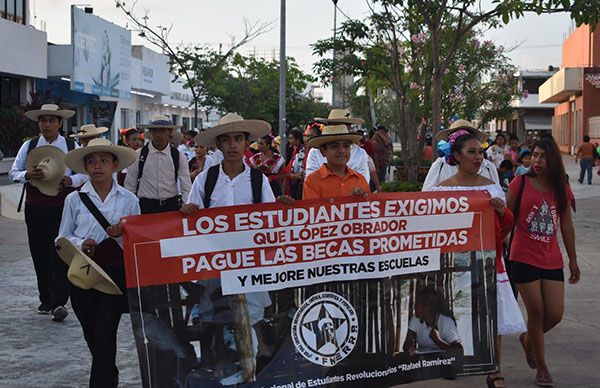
{"x":537,"y":123}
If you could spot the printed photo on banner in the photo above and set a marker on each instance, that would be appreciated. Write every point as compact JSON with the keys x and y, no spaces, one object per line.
{"x":384,"y":291}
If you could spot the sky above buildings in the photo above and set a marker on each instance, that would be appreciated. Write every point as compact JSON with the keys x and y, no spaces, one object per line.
{"x":535,"y":40}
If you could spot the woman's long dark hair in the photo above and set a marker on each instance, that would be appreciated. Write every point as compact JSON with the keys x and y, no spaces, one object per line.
{"x":556,"y":171}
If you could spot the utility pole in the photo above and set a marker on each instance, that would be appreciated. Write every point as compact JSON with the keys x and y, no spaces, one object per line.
{"x":282,"y":81}
{"x":335,"y":100}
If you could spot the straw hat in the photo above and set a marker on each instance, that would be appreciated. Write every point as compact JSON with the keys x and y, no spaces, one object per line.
{"x":52,"y":161}
{"x":340,"y":116}
{"x":49,"y":110}
{"x":461,"y":124}
{"x":160,"y":121}
{"x":84,"y":272}
{"x":75,"y":159}
{"x":232,"y":122}
{"x":176,"y":137}
{"x":89,"y":130}
{"x":333,"y":133}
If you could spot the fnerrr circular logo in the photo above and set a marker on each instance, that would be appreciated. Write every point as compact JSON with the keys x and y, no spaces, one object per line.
{"x":325,"y":329}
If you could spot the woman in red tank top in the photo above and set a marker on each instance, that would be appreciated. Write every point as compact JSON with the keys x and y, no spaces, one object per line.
{"x":535,"y":259}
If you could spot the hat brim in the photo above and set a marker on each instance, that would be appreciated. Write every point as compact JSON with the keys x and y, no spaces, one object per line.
{"x":153,"y":126}
{"x":67,"y":252}
{"x":255,"y":129}
{"x":75,"y":159}
{"x":99,"y":131}
{"x":443,"y":135}
{"x":46,"y":187}
{"x":176,"y":136}
{"x":318,"y":141}
{"x":346,"y":120}
{"x":35,"y":114}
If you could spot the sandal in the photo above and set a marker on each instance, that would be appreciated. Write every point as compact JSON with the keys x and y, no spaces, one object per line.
{"x":491,"y":381}
{"x":544,"y":379}
{"x":528,"y":355}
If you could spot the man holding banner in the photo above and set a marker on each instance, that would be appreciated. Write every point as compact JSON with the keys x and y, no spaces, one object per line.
{"x":230,"y":183}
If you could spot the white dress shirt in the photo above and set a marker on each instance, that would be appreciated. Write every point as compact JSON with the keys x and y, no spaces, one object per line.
{"x":78,"y":224}
{"x":158,"y":178}
{"x":18,"y":170}
{"x":358,"y":161}
{"x":227,"y":191}
{"x":440,"y":171}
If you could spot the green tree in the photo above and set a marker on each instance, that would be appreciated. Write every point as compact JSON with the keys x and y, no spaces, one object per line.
{"x":249,"y":86}
{"x":414,"y":47}
{"x":199,"y":65}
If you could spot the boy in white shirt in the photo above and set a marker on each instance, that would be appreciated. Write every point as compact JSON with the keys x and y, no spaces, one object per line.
{"x":98,"y":312}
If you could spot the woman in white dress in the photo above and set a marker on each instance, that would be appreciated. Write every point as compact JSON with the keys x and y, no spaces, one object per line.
{"x":467,"y":153}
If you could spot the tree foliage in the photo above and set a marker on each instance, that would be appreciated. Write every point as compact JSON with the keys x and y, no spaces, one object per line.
{"x":417,"y":48}
{"x":250,"y":87}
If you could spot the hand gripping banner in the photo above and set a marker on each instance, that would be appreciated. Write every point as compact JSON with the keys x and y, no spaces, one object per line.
{"x":385,"y":290}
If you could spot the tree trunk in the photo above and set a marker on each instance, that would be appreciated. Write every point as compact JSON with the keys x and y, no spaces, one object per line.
{"x":372,"y":108}
{"x":436,"y":103}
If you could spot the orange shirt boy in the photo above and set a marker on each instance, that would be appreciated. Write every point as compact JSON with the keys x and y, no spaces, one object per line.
{"x":334,"y":178}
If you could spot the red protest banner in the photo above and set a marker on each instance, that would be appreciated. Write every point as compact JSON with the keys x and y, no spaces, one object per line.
{"x":271,"y":246}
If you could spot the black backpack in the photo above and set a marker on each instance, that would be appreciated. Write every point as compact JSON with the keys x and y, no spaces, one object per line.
{"x":212,"y":175}
{"x":142,"y":162}
{"x":32,"y":144}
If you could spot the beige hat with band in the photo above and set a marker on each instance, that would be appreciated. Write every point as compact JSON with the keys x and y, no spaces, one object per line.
{"x":84,"y":272}
{"x":461,"y":124}
{"x":51,"y":160}
{"x":230,"y":123}
{"x":333,"y":133}
{"x":340,"y":116}
{"x":49,"y":110}
{"x":75,"y":159}
{"x":89,"y":130}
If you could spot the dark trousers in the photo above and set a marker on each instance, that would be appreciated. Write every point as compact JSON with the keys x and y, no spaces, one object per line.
{"x":149,"y":206}
{"x":99,"y":315}
{"x":381,"y":173}
{"x":42,"y":229}
{"x":586,"y":166}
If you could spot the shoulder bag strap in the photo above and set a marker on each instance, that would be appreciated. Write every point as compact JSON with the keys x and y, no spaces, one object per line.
{"x":256,"y":181}
{"x":209,"y":186}
{"x":32,"y":144}
{"x":175,"y":157}
{"x":143,"y":156}
{"x":94,"y":210}
{"x":516,"y":212}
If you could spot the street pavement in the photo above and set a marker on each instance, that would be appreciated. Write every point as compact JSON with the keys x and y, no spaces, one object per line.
{"x":34,"y":351}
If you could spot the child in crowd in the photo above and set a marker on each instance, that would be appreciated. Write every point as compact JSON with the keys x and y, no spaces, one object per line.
{"x":524,"y":163}
{"x":335,"y":178}
{"x":506,"y":172}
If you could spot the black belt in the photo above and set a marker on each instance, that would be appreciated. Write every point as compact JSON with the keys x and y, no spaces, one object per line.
{"x":176,"y":200}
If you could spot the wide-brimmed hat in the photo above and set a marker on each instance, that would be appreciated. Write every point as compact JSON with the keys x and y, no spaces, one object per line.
{"x":461,"y":124}
{"x":340,"y":116}
{"x":89,"y":130}
{"x":52,"y":160}
{"x":49,"y":110}
{"x":75,"y":159}
{"x":84,"y":272}
{"x":232,"y":122}
{"x":176,"y":137}
{"x":333,"y":133}
{"x":160,"y":121}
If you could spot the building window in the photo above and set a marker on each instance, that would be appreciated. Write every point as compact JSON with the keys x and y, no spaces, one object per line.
{"x":10,"y":90}
{"x":186,"y":123}
{"x":13,"y":10}
{"x":138,"y":117}
{"x":124,"y":123}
